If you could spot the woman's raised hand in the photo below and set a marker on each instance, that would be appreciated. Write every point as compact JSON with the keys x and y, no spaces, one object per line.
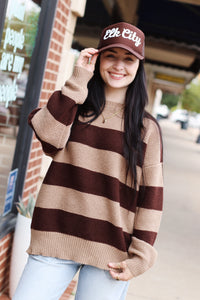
{"x":87,"y":59}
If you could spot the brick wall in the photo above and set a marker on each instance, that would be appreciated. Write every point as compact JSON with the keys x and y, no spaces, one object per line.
{"x":5,"y":252}
{"x":57,"y":46}
{"x":48,"y":86}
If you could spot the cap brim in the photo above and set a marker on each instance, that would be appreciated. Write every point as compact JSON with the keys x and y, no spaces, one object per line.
{"x":119,"y":45}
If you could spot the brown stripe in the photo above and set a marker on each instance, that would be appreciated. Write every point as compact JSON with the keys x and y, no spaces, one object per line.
{"x":146,"y":236}
{"x":91,"y":182}
{"x":151,"y":197}
{"x":108,"y":163}
{"x":78,"y":203}
{"x":100,"y":138}
{"x":55,"y":220}
{"x":62,"y":108}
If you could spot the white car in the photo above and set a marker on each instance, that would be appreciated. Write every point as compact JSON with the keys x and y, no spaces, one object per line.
{"x":162,"y":111}
{"x":179,"y":115}
{"x":194,"y":121}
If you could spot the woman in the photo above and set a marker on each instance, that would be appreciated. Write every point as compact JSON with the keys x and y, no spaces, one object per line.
{"x":99,"y":208}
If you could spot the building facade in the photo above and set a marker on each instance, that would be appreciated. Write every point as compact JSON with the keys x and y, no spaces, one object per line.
{"x":35,"y":59}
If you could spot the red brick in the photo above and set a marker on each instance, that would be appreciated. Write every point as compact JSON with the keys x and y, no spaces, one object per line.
{"x":4,"y":297}
{"x":58,"y":15}
{"x":29,"y":191}
{"x":68,"y":2}
{"x":35,"y":143}
{"x":51,"y":55}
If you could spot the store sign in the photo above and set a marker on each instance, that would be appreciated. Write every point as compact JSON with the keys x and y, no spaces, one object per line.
{"x":170,"y":78}
{"x":9,"y":60}
{"x":18,"y":37}
{"x":10,"y":191}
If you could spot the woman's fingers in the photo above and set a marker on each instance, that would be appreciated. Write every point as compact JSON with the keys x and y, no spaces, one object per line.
{"x":94,"y":58}
{"x":120,"y":271}
{"x":87,"y":58}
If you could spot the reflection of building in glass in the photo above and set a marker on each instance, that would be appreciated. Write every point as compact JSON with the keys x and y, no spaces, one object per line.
{"x":17,"y":45}
{"x":16,"y":48}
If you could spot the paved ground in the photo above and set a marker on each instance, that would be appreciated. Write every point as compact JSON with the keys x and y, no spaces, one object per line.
{"x":176,"y":275}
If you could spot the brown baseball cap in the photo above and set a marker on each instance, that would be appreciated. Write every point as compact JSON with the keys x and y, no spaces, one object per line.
{"x":123,"y":35}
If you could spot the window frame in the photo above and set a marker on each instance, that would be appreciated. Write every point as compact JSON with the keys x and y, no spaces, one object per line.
{"x":33,"y":90}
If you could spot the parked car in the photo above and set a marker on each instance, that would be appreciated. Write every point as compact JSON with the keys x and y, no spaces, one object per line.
{"x":194,"y":120}
{"x":179,"y":115}
{"x":162,"y":112}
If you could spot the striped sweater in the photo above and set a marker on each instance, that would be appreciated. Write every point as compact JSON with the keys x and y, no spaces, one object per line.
{"x":86,"y":210}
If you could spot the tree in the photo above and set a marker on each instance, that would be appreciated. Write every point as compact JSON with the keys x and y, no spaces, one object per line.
{"x":190,"y":97}
{"x":170,"y":100}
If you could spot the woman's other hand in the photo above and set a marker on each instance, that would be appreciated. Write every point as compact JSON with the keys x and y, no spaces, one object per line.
{"x":120,"y":271}
{"x":87,"y":59}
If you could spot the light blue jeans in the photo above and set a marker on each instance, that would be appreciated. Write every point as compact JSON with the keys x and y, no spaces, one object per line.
{"x":46,"y":278}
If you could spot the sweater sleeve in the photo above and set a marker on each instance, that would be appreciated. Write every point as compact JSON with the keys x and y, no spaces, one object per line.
{"x":52,"y":123}
{"x":142,"y":254}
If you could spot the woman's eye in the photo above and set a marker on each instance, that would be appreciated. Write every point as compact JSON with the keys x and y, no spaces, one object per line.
{"x":110,"y":56}
{"x":128,"y":59}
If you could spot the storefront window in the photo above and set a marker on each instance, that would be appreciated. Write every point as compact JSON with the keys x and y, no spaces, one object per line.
{"x":17,"y":44}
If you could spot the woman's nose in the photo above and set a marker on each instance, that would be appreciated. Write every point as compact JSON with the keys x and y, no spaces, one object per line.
{"x":118,"y":64}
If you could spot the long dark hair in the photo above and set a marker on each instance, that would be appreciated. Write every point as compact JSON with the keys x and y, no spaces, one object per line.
{"x":135,"y":101}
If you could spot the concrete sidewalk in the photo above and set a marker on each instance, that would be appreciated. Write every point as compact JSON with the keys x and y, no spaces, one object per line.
{"x":176,"y":274}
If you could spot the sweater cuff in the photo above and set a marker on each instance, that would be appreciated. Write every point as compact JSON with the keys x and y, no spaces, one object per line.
{"x":76,"y":87}
{"x":142,"y":256}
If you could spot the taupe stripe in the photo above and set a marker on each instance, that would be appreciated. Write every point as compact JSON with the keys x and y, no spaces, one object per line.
{"x":76,"y":87}
{"x":62,"y":108}
{"x":49,"y":129}
{"x":114,"y":124}
{"x":97,"y":160}
{"x":148,"y":219}
{"x":87,"y":228}
{"x":150,"y":117}
{"x":153,"y":175}
{"x":101,"y":138}
{"x":154,"y":153}
{"x":142,"y":256}
{"x":30,"y":116}
{"x":47,"y":148}
{"x":69,"y":247}
{"x":76,"y":202}
{"x":90,"y":182}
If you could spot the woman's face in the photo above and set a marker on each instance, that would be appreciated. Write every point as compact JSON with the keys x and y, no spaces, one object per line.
{"x":118,"y":68}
